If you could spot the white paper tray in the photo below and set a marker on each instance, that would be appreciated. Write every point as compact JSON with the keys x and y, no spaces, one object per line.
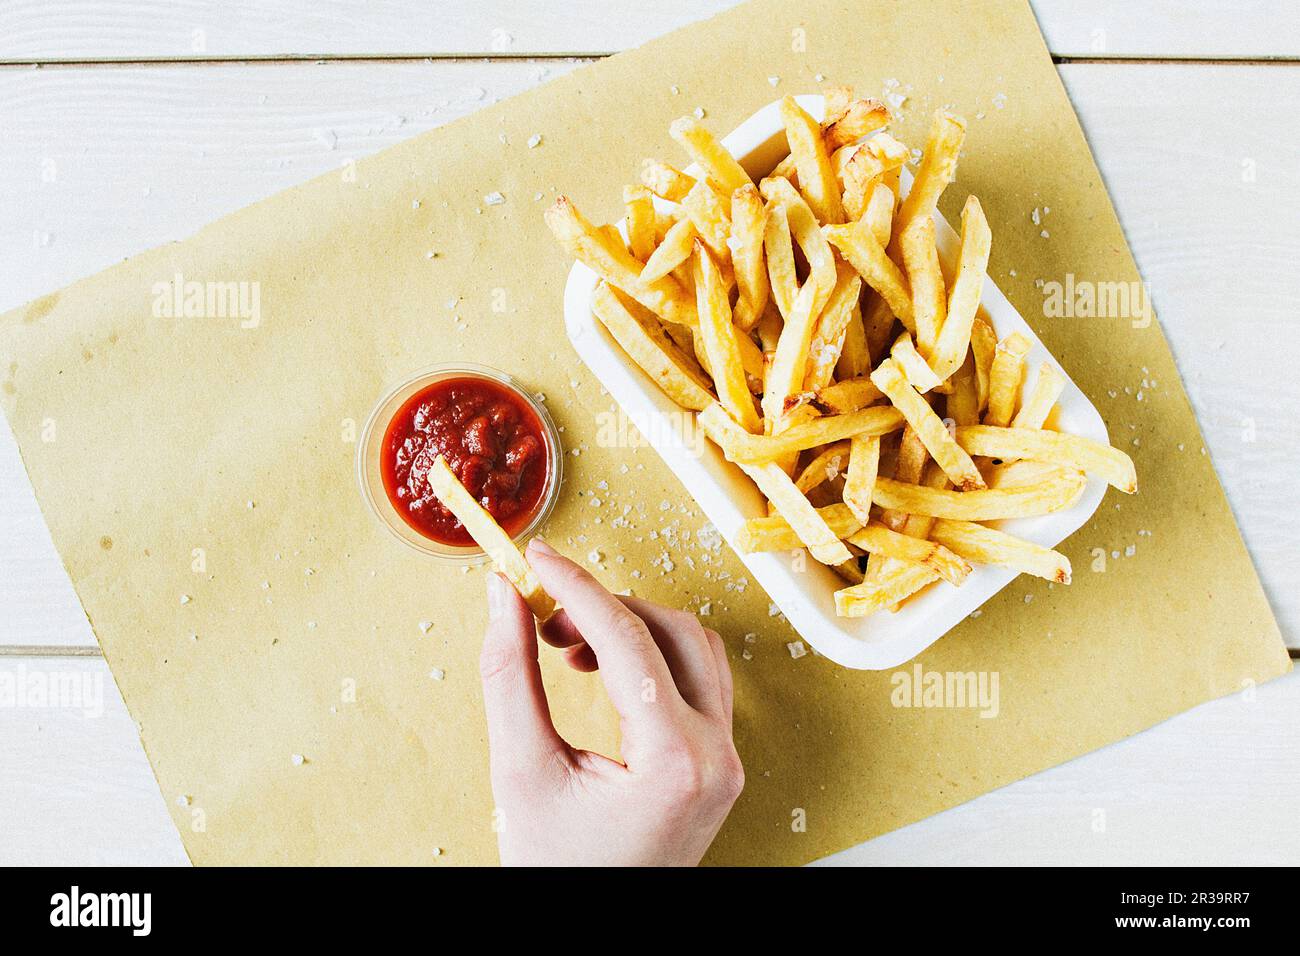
{"x":727,"y":497}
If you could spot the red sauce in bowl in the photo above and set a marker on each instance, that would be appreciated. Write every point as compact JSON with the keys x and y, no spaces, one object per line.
{"x":491,"y":439}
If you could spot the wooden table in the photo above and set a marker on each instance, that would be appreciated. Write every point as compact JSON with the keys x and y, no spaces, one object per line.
{"x":125,"y":124}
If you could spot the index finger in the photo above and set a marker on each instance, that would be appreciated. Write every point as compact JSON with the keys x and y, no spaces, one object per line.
{"x":631,"y":665}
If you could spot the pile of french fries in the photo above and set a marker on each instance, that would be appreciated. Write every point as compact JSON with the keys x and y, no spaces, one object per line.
{"x":809,"y":321}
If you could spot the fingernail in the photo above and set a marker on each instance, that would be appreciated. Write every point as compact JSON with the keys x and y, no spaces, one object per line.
{"x":495,"y":595}
{"x":541,"y":547}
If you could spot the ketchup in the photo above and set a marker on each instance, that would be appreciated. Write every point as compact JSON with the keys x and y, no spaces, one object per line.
{"x":491,"y":439}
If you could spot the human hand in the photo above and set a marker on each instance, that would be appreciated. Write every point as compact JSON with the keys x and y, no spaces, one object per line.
{"x":667,"y":677}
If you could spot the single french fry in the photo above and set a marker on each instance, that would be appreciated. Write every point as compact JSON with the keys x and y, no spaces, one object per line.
{"x":666,"y":181}
{"x":769,"y":329}
{"x":937,"y":169}
{"x":925,"y":277}
{"x":865,"y":254}
{"x":742,"y":447}
{"x":817,"y":179}
{"x":773,"y":532}
{"x":748,"y":223}
{"x":869,"y":597}
{"x":1004,"y":379}
{"x":703,"y":147}
{"x":864,"y":464}
{"x":790,"y":503}
{"x":964,"y":399}
{"x":613,"y":263}
{"x":987,"y":505}
{"x":967,"y":288}
{"x":847,"y":395}
{"x":1022,"y":472}
{"x":1035,"y":409}
{"x":1070,"y":451}
{"x":830,"y":463}
{"x":721,"y":341}
{"x":855,"y":356}
{"x":974,"y":542}
{"x":829,"y":335}
{"x":983,"y":346}
{"x":878,"y":325}
{"x":672,"y":252}
{"x":879,"y":213}
{"x":780,"y":259}
{"x":912,"y":365}
{"x":710,"y":219}
{"x":640,"y":209}
{"x":955,"y":463}
{"x":878,"y":539}
{"x":859,"y":118}
{"x":652,"y":350}
{"x":489,"y":536}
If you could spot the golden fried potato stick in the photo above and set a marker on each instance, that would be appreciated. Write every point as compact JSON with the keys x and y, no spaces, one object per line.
{"x":640,"y":209}
{"x":742,"y":447}
{"x":829,"y":334}
{"x":703,"y":147}
{"x":773,"y":533}
{"x":675,"y":249}
{"x":875,"y":538}
{"x":870,"y":596}
{"x":937,"y":169}
{"x":913,"y":366}
{"x":721,"y":342}
{"x":1035,"y":409}
{"x":974,"y":542}
{"x":710,"y":219}
{"x":798,"y":511}
{"x":865,"y":254}
{"x":988,"y":505}
{"x":489,"y":536}
{"x":1018,"y":474}
{"x":830,"y":463}
{"x":645,"y":341}
{"x":1069,"y":451}
{"x":817,"y":179}
{"x":864,"y":465}
{"x":837,"y":98}
{"x":855,"y":356}
{"x":983,"y":346}
{"x":748,"y":225}
{"x":956,"y":464}
{"x":858,"y":119}
{"x":964,"y":399}
{"x":780,"y":259}
{"x":613,"y":263}
{"x":925,"y":276}
{"x":666,"y":181}
{"x":847,"y":395}
{"x":967,"y":288}
{"x":1005,"y":377}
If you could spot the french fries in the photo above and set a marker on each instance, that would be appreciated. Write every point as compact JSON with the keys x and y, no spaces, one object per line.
{"x":489,"y":536}
{"x":653,"y":351}
{"x":850,"y":373}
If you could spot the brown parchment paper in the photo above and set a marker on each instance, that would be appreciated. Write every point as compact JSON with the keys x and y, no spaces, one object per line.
{"x":198,"y":477}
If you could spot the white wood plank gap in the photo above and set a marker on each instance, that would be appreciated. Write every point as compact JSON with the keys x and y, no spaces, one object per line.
{"x":76,"y":30}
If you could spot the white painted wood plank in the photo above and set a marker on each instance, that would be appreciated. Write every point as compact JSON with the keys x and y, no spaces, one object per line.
{"x":1216,"y":785}
{"x":1210,"y":209}
{"x":173,"y":29}
{"x":157,"y":152}
{"x":77,"y":789}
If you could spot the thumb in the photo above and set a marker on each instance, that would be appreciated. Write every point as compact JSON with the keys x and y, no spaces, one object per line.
{"x":520,"y":730}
